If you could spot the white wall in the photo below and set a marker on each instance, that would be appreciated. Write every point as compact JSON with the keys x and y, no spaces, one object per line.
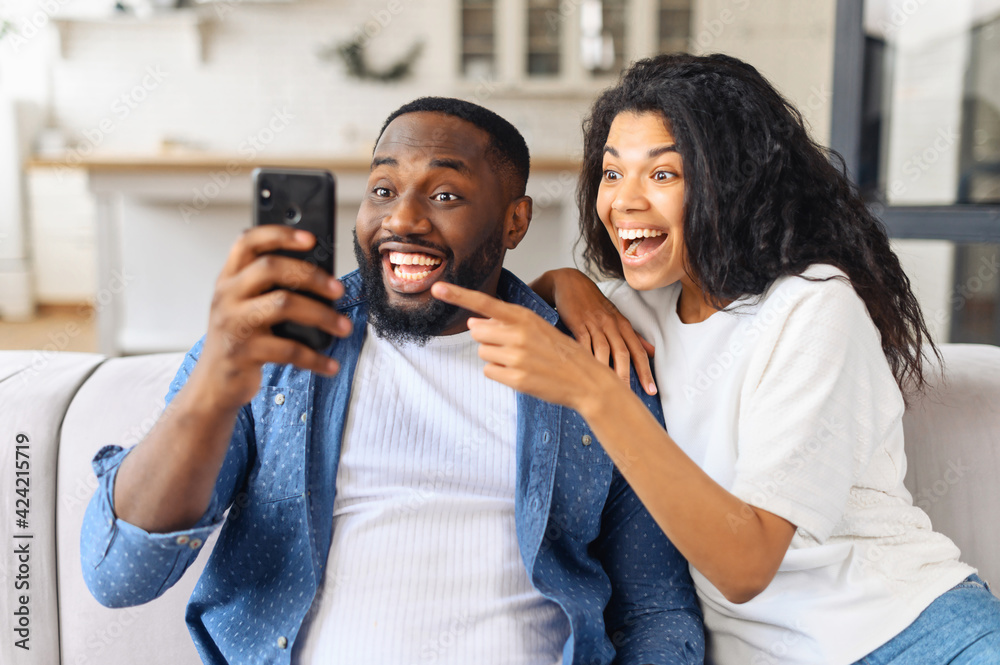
{"x":790,"y":42}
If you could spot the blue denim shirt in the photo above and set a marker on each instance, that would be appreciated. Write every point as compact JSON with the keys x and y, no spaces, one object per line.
{"x":586,"y":541}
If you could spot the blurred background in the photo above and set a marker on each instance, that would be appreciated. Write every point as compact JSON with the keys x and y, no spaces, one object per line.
{"x":128,"y":131}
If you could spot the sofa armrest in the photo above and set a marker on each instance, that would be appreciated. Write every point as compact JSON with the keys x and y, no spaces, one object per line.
{"x":118,"y":405}
{"x":36,"y":388}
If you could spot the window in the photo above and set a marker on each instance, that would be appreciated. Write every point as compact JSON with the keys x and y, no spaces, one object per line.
{"x":603,"y":32}
{"x":544,"y":37}
{"x":674,"y":24}
{"x":559,"y":45}
{"x":921,"y":133}
{"x":478,"y":50}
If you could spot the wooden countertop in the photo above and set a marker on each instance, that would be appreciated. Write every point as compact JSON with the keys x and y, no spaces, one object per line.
{"x":199,"y":161}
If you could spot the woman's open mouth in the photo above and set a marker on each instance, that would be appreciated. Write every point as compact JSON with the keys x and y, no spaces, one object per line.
{"x":638,"y":244}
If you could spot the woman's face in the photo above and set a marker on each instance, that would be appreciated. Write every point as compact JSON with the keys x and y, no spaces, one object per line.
{"x":641,"y":200}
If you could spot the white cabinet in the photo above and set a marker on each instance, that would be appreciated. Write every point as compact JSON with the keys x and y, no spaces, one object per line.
{"x":61,"y":236}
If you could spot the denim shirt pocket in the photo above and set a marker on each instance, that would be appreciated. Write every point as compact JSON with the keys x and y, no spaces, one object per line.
{"x":582,"y":481}
{"x":280,"y":415}
{"x":578,"y":444}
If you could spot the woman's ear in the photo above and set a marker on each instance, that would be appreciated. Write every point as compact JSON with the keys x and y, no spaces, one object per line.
{"x":516,"y":222}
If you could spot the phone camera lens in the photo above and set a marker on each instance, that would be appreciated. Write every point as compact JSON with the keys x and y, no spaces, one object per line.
{"x":293,"y":214}
{"x":265,"y":195}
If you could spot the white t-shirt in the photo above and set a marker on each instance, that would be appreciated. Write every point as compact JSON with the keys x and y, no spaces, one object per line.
{"x":789,"y":403}
{"x":424,"y":566}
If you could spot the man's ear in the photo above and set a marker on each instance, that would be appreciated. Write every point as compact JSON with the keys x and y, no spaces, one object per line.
{"x":517,"y":221}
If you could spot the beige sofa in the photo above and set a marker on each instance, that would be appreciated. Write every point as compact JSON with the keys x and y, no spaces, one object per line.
{"x":64,"y":406}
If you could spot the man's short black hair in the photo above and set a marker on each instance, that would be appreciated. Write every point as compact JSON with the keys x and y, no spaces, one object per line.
{"x":507,"y":152}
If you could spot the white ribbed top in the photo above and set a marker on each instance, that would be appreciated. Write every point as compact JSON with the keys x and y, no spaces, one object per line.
{"x":424,"y":566}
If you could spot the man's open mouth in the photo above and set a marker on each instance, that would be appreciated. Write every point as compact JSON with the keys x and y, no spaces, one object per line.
{"x":409,"y":271}
{"x":637,"y":243}
{"x":413,"y":266}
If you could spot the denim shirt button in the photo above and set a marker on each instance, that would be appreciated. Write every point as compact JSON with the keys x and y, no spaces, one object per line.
{"x":587,"y":440}
{"x":279,"y":399}
{"x":303,"y":416}
{"x":282,"y":642}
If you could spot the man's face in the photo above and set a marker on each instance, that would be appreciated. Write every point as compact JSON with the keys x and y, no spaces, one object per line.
{"x":434,"y":210}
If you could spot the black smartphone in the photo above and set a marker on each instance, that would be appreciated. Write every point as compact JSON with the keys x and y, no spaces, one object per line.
{"x":304,"y":199}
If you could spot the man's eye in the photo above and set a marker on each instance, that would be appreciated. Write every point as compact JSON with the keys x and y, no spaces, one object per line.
{"x":381,"y":192}
{"x":445,"y":197}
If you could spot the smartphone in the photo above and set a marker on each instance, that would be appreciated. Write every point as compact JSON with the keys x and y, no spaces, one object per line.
{"x":304,"y":199}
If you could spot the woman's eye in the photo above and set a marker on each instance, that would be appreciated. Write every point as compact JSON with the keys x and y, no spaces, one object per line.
{"x":445,"y":197}
{"x":610,"y":175}
{"x":663,"y":175}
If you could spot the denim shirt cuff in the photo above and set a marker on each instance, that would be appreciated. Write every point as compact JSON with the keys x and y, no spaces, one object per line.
{"x":106,"y":464}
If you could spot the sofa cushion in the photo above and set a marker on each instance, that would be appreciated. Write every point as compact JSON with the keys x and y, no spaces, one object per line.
{"x":953,"y":453}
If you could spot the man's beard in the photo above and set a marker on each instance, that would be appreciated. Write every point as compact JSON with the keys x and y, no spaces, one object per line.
{"x":417,"y":325}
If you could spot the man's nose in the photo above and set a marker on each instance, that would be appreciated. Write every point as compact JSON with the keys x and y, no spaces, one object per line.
{"x":407,"y":217}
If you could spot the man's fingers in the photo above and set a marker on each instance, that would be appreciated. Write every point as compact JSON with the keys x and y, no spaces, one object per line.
{"x":262,"y":239}
{"x":473,"y":301}
{"x":270,"y":308}
{"x":265,"y":272}
{"x":288,"y":352}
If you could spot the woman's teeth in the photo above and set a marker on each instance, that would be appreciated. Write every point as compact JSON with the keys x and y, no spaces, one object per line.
{"x":638,"y":235}
{"x":630,"y":234}
{"x":400,"y":259}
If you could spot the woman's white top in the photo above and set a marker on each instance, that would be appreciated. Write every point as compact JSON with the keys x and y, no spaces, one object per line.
{"x":788,"y":402}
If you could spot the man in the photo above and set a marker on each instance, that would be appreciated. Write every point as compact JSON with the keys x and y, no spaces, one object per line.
{"x":469,"y":523}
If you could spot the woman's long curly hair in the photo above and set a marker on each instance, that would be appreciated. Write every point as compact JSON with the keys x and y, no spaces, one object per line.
{"x":761,"y":199}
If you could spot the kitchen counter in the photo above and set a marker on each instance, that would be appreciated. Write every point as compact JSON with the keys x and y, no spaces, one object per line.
{"x":165,"y":223}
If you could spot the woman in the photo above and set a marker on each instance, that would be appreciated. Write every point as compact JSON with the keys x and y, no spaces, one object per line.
{"x":786,"y":335}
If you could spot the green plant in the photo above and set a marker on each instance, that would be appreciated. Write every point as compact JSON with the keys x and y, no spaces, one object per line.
{"x":353,"y":55}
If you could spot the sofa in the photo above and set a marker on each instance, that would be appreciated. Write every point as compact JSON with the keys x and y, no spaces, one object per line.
{"x":58,"y":408}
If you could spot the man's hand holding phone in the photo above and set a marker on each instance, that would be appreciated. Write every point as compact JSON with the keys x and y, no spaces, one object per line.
{"x":244,"y":307}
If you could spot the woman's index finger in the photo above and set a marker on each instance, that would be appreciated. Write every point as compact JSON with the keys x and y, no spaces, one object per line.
{"x":474,"y":301}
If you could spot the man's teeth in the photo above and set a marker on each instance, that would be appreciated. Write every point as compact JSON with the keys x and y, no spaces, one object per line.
{"x":408,"y":259}
{"x":631,"y":234}
{"x":400,"y":259}
{"x":412,"y":276}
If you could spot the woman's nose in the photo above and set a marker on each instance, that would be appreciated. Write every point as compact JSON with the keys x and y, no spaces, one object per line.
{"x":629,"y":196}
